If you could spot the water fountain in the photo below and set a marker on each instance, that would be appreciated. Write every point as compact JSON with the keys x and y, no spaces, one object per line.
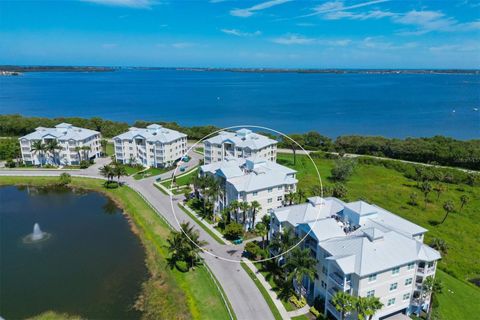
{"x":37,"y":235}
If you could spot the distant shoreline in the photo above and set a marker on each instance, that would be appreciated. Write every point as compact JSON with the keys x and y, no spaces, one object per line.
{"x":22,"y":69}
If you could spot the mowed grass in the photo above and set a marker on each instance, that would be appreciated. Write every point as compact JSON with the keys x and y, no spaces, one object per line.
{"x":184,"y":180}
{"x":110,"y":149}
{"x":457,"y":300}
{"x":169,"y":293}
{"x":389,"y":189}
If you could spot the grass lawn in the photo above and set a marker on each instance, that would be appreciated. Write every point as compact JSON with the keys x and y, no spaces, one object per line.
{"x":457,"y":300}
{"x":181,"y":181}
{"x":110,"y":149}
{"x":302,"y":317}
{"x":390,"y":189}
{"x":132,"y":170}
{"x":150,"y":172}
{"x":266,"y":296}
{"x":169,"y":293}
{"x":207,"y":230}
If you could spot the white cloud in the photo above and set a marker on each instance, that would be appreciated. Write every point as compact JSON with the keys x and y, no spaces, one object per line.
{"x":378,"y":43}
{"x":239,"y":33}
{"x":247,"y":12}
{"x":374,"y":14}
{"x":290,"y":39}
{"x":428,"y":21}
{"x":463,"y":47}
{"x":138,"y":4}
{"x":338,"y":6}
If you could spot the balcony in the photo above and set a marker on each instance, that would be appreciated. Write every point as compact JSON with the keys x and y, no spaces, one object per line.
{"x":332,"y":291}
{"x":426,"y":270}
{"x":333,"y":311}
{"x":339,"y":280}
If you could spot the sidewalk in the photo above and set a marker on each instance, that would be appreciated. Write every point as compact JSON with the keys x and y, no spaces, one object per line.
{"x":266,"y":285}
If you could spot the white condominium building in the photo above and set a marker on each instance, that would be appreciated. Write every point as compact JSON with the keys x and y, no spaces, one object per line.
{"x":248,"y":180}
{"x":240,"y":144}
{"x":364,"y":250}
{"x":154,"y":146}
{"x":75,"y":144}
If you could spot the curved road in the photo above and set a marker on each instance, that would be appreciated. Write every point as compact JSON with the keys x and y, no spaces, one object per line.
{"x":246,"y":300}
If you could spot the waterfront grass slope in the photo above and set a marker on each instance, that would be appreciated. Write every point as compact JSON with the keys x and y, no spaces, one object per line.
{"x":168,"y":293}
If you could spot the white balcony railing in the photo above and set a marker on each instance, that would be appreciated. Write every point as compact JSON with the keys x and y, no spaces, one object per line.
{"x":339,"y":280}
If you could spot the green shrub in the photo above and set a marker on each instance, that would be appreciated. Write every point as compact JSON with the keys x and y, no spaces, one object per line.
{"x":10,"y":163}
{"x":299,"y":303}
{"x":315,"y":312}
{"x":233,"y":231}
{"x":253,"y":250}
{"x":84,"y":164}
{"x":64,"y":179}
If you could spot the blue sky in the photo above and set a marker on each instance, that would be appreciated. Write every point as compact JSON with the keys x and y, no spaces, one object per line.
{"x":275,"y":33}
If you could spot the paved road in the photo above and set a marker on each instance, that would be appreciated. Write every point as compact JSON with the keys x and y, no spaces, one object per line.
{"x":245,"y":298}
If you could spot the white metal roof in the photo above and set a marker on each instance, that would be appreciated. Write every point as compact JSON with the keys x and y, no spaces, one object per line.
{"x":242,"y":138}
{"x":62,"y":131}
{"x":152,"y":133}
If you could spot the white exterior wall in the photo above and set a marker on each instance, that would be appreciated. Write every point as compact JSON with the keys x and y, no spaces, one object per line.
{"x":217,"y":152}
{"x":149,"y":153}
{"x":66,"y":156}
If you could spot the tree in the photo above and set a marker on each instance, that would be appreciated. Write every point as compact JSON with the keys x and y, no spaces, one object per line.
{"x":235,"y":206}
{"x":119,"y":171}
{"x":413,"y":199}
{"x":440,"y":245}
{"x":426,"y":188}
{"x":432,"y":287}
{"x":300,"y":195}
{"x":366,"y":307}
{"x":316,"y":190}
{"x":255,"y":206}
{"x":104,"y":144}
{"x":261,"y":230}
{"x":266,"y":219}
{"x":65,"y":179}
{"x":233,"y":231}
{"x":342,"y":170}
{"x":85,"y":151}
{"x":464,"y":199}
{"x":344,"y":303}
{"x":282,"y":242}
{"x":53,"y":146}
{"x":39,"y":147}
{"x":253,"y":249}
{"x":185,"y":245}
{"x":107,"y":172}
{"x":439,"y":189}
{"x":300,"y":264}
{"x":290,"y":197}
{"x":244,"y":206}
{"x":339,"y":190}
{"x":448,"y":206}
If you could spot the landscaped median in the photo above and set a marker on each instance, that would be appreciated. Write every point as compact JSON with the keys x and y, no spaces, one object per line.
{"x":168,"y":293}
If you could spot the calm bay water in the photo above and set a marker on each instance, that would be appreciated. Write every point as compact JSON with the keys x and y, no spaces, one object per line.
{"x":92,"y":266}
{"x":334,"y":104}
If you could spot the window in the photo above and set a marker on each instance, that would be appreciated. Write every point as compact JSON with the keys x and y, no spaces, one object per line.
{"x":324,"y":270}
{"x":372,"y":277}
{"x":269,"y":200}
{"x":280,"y":188}
{"x":393,"y":286}
{"x":279,"y":198}
{"x":255,"y":193}
{"x":270,"y":190}
{"x":406,"y":296}
{"x":371,"y":293}
{"x":411,"y":265}
{"x":408,"y":281}
{"x":396,"y":270}
{"x":391,"y":302}
{"x":324,"y":284}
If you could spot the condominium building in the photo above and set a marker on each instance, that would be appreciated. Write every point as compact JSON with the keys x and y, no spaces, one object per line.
{"x":248,"y":180}
{"x":364,"y":250}
{"x":242,"y":143}
{"x":75,"y":144}
{"x":153,"y":146}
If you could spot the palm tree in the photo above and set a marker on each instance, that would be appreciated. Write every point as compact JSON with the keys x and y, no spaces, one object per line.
{"x":77,"y":150}
{"x":300,"y":264}
{"x":266,"y":221}
{"x":366,"y":307}
{"x":431,"y":287}
{"x":261,"y":230}
{"x":463,"y":200}
{"x":440,"y":245}
{"x":212,"y":192}
{"x":85,"y":150}
{"x":185,"y":245}
{"x":52,"y":147}
{"x":104,"y":144}
{"x":119,"y":171}
{"x":39,"y":147}
{"x":244,"y":206}
{"x":234,"y":206}
{"x":255,"y":206}
{"x":284,"y":241}
{"x":344,"y":303}
{"x":439,"y":189}
{"x":426,"y":188}
{"x":448,"y":206}
{"x":108,"y":172}
{"x":300,"y":195}
{"x":290,"y":197}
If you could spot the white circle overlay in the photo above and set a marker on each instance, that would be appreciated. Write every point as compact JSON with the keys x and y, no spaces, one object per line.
{"x":241,"y":127}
